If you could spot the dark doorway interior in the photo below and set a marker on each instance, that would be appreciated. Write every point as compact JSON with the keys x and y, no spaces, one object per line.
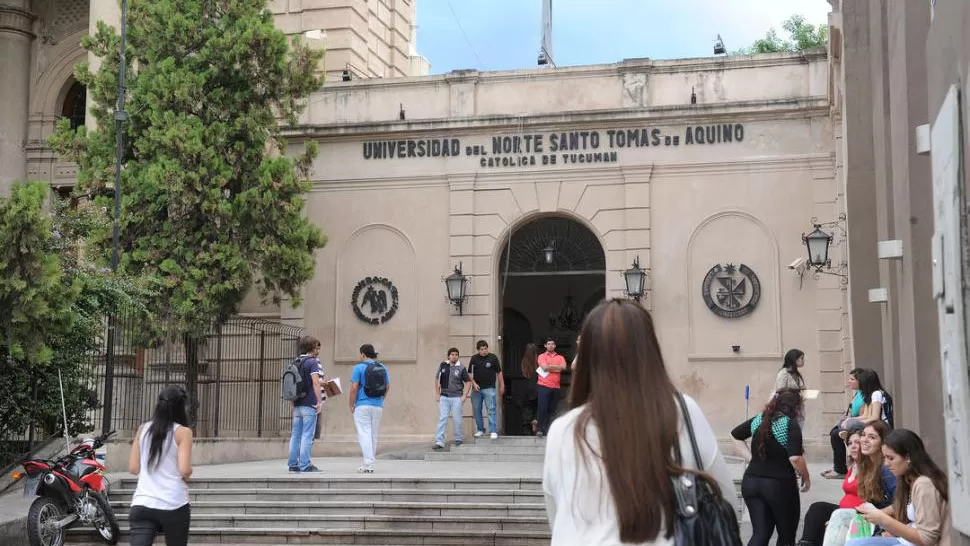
{"x":550,"y":276}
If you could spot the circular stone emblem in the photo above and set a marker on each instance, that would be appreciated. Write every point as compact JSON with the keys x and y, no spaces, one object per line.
{"x":730,"y":291}
{"x":371,"y":302}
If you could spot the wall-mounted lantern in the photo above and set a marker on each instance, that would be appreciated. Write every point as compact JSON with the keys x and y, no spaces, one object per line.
{"x":455,"y":285}
{"x":818,"y":245}
{"x":635,"y":278}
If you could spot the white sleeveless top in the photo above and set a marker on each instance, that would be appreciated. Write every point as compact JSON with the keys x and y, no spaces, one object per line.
{"x":160,"y":487}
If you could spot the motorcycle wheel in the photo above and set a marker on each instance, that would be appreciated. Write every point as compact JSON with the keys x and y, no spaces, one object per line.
{"x":44,"y":513}
{"x":107,"y":523}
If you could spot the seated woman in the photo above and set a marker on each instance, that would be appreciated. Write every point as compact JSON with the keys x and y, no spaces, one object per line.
{"x":874,"y":399}
{"x":880,"y":484}
{"x":920,"y":514}
{"x":839,"y":459}
{"x":877,"y":484}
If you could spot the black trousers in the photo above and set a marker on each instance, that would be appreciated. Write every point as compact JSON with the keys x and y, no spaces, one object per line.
{"x":839,"y":457}
{"x":146,"y":523}
{"x":817,"y":516}
{"x":772,"y":503}
{"x":548,"y":398}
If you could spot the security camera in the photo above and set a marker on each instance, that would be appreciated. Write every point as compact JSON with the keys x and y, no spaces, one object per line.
{"x":796,"y":264}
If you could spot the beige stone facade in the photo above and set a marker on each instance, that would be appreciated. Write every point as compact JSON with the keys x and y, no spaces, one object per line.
{"x":734,"y":177}
{"x":40,"y":45}
{"x":685,"y":165}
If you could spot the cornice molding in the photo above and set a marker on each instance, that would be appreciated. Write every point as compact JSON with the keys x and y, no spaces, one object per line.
{"x":16,"y":21}
{"x":697,"y":114}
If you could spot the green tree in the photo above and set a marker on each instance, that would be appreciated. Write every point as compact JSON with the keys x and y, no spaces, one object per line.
{"x":212,"y":207}
{"x":52,"y":313}
{"x":801,"y":36}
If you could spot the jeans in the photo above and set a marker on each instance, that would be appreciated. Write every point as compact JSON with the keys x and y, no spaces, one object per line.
{"x":874,"y":541}
{"x":772,"y":503}
{"x":367,"y":419}
{"x":487,"y":396}
{"x":813,"y":531}
{"x":448,"y":405}
{"x":301,"y":438}
{"x":547,"y":407}
{"x":146,"y":523}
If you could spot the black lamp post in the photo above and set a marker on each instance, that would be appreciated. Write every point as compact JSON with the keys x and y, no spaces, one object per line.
{"x":635,"y":279}
{"x":817,"y":244}
{"x":455,"y":285}
{"x":120,"y":117}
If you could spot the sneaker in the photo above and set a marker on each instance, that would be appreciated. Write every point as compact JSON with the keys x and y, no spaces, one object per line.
{"x":494,"y":436}
{"x":365,"y":470}
{"x":294,"y":469}
{"x":311,"y":468}
{"x":479,"y":434}
{"x":437,"y":447}
{"x":458,"y":442}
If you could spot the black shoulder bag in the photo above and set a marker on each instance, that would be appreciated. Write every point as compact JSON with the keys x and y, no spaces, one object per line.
{"x":704,"y":517}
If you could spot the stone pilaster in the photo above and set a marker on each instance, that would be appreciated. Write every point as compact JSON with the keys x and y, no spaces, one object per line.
{"x":108,"y":11}
{"x":15,"y":38}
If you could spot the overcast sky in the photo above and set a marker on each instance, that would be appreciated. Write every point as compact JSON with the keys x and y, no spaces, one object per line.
{"x":505,"y":34}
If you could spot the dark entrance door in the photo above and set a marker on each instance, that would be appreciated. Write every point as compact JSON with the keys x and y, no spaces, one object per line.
{"x":551,"y":273}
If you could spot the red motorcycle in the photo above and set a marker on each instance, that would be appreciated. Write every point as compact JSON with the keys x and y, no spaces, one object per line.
{"x":70,"y":490}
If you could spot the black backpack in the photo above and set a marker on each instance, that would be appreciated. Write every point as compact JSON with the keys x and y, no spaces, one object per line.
{"x":704,"y":517}
{"x":292,"y":385}
{"x":887,"y":408}
{"x":375,"y":380}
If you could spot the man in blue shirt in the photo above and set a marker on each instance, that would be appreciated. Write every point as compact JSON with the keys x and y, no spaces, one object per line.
{"x":307,"y":408}
{"x":369,"y":386}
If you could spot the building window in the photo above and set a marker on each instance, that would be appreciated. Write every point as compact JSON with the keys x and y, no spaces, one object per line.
{"x":75,"y":104}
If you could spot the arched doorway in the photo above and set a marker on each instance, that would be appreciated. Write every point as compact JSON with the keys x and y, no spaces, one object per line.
{"x":75,"y":103}
{"x":552,"y":270}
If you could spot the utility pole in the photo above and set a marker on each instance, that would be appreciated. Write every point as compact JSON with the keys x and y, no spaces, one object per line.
{"x":545,"y":49}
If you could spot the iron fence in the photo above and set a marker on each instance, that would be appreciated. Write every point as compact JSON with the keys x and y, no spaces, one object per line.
{"x":232,"y":373}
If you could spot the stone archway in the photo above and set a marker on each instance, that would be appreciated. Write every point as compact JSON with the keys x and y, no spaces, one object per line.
{"x":548,"y":272}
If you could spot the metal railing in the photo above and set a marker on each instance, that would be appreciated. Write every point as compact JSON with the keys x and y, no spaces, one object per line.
{"x":233,"y":369}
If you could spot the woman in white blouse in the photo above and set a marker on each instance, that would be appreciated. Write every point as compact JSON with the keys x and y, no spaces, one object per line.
{"x":608,"y":461}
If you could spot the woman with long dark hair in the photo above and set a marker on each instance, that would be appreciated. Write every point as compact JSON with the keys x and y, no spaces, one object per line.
{"x":609,"y":460}
{"x":769,"y":486}
{"x":920,"y":512}
{"x":161,"y":456}
{"x":839,"y":459}
{"x":874,"y":399}
{"x":789,"y":376}
{"x":527,"y":395}
{"x":875,"y":485}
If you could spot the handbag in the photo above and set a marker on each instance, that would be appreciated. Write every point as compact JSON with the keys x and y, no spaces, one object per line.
{"x":859,"y":528}
{"x":704,"y":517}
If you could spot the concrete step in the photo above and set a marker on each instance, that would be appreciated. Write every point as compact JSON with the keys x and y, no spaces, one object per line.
{"x":228,"y":535}
{"x":360,"y":508}
{"x":483,"y":449}
{"x":371,"y":495}
{"x":510,"y":441}
{"x":484,"y":457}
{"x":320,"y":482}
{"x":427,"y":523}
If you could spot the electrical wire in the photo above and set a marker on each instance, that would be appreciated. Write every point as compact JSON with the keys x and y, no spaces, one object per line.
{"x":462,"y":29}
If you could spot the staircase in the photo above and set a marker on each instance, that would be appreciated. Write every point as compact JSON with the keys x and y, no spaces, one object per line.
{"x":365,"y":510}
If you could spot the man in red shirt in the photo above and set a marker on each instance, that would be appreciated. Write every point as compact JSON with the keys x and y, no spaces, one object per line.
{"x":550,"y":366}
